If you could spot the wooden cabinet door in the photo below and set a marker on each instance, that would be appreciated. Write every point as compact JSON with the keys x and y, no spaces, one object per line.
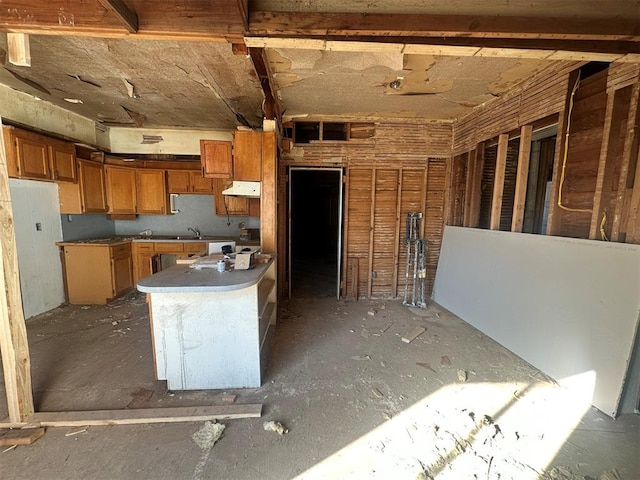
{"x":121,"y":189}
{"x":247,"y":156}
{"x":122,"y":272}
{"x":227,"y":204}
{"x":143,"y":265}
{"x":178,"y":181}
{"x":33,"y":157}
{"x":63,"y":162}
{"x":215,"y":157}
{"x":200,"y":184}
{"x":92,"y":188}
{"x":195,"y":247}
{"x":151,"y":192}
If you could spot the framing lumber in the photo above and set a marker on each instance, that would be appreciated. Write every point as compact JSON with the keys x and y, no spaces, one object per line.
{"x":522,"y":177}
{"x":268,"y":198}
{"x":627,"y":154}
{"x":374,"y":174}
{"x":142,"y":416}
{"x":124,"y":14}
{"x":426,"y":25}
{"x":19,"y":49}
{"x":468,"y":188}
{"x":553,"y":220}
{"x":476,"y":187}
{"x":498,"y":182}
{"x":633,"y":226}
{"x":604,"y":168}
{"x":20,"y":436}
{"x":396,"y":233}
{"x":16,"y":362}
{"x":272,"y":108}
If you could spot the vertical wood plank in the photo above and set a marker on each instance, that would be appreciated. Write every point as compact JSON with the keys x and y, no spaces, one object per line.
{"x":627,"y":154}
{"x":522,"y":177}
{"x":448,"y":194}
{"x":268,"y":199}
{"x":498,"y":183}
{"x":603,"y":171}
{"x":19,"y":49}
{"x":371,"y":229}
{"x":396,"y":247}
{"x":345,"y":235}
{"x":14,"y":348}
{"x":633,"y":226}
{"x":468,"y":188}
{"x":553,"y":220}
{"x":476,"y":187}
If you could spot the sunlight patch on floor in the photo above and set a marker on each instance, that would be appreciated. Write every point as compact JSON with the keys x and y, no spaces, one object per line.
{"x":493,"y":430}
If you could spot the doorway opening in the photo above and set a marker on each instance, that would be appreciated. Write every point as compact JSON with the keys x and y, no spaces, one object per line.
{"x":315,"y":232}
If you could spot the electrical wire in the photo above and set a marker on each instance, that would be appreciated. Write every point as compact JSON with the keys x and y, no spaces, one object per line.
{"x":566,"y":152}
{"x":603,"y":235}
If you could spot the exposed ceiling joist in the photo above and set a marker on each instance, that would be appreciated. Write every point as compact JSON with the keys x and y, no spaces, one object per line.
{"x":127,"y":17}
{"x":424,"y":26}
{"x":166,"y":20}
{"x":272,"y":108}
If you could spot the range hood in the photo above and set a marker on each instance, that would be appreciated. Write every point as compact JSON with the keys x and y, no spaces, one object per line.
{"x":243,"y":189}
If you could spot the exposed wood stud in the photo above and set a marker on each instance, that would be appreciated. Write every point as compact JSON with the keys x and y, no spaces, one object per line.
{"x":371,"y":231}
{"x":239,"y":49}
{"x":124,"y":14}
{"x":498,"y":183}
{"x":268,"y":197}
{"x":633,"y":226}
{"x":396,"y":247}
{"x":522,"y":177}
{"x":553,"y":219}
{"x":272,"y":109}
{"x":476,"y":187}
{"x":468,"y":188}
{"x":631,"y":139}
{"x":604,"y":170}
{"x":16,"y":362}
{"x":19,"y":49}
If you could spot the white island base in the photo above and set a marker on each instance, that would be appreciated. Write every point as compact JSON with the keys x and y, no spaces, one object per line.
{"x":212,"y":339}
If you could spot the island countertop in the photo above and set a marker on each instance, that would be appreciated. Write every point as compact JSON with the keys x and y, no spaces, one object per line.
{"x":184,"y":279}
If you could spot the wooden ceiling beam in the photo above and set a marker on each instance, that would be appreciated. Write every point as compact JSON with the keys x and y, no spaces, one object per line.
{"x":272,"y":108}
{"x":126,"y":16}
{"x":263,"y":23}
{"x":190,"y":20}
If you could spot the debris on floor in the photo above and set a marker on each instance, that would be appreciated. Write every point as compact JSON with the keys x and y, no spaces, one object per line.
{"x":415,"y":333}
{"x":76,"y":432}
{"x":462,"y":375}
{"x":361,"y":357}
{"x":385,"y":328}
{"x":20,"y":436}
{"x":275,"y":427}
{"x":228,"y":398}
{"x":377,"y":392}
{"x":372,"y":313}
{"x":208,"y":435}
{"x":444,"y":360}
{"x":425,"y":365}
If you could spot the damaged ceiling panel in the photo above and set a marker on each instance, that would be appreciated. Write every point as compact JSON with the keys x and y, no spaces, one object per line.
{"x":313,"y":83}
{"x":141,"y":82}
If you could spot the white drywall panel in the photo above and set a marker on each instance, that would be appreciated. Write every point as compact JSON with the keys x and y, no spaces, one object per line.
{"x":38,"y":256}
{"x":567,"y":306}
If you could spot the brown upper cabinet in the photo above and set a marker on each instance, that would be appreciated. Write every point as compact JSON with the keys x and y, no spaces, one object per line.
{"x":38,"y":157}
{"x":247,"y":155}
{"x":215,"y":157}
{"x":135,"y":190}
{"x":151,"y":191}
{"x":188,"y":181}
{"x":92,"y":187}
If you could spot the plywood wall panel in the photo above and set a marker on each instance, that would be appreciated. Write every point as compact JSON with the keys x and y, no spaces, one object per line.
{"x":622,"y":75}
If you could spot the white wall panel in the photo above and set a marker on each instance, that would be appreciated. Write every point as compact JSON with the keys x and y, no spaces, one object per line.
{"x":569,"y":307}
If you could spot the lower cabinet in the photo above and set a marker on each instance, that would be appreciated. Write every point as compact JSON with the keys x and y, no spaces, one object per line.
{"x":144,"y":253}
{"x":97,"y":273}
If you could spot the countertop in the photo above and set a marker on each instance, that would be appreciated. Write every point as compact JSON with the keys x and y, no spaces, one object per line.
{"x":183,"y":279}
{"x":115,"y":240}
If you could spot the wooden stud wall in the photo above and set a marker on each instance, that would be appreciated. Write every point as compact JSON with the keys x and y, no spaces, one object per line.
{"x":400,"y":170}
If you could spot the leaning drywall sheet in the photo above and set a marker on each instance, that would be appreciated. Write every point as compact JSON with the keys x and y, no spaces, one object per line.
{"x":567,"y":306}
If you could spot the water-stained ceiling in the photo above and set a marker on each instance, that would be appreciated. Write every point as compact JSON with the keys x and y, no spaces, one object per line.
{"x":171,"y":64}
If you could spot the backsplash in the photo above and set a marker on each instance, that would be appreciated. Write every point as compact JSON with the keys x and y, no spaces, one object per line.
{"x":195,"y":211}
{"x":79,"y":227}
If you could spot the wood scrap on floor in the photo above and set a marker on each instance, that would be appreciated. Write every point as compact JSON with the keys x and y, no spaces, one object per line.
{"x":414,"y":334}
{"x":144,"y":415}
{"x":20,"y":436}
{"x":276,"y":427}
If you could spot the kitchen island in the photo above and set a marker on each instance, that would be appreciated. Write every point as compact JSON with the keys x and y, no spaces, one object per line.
{"x":210,"y":329}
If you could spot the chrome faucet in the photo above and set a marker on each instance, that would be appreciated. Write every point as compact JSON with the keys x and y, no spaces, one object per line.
{"x":195,"y":231}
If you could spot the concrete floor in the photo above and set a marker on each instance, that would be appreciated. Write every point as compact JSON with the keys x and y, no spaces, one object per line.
{"x":359,"y":403}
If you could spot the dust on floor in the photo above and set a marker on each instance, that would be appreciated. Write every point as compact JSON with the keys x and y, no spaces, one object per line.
{"x":358,"y":402}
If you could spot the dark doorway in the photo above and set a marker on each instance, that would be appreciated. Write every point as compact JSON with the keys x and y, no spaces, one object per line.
{"x":316,"y":232}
